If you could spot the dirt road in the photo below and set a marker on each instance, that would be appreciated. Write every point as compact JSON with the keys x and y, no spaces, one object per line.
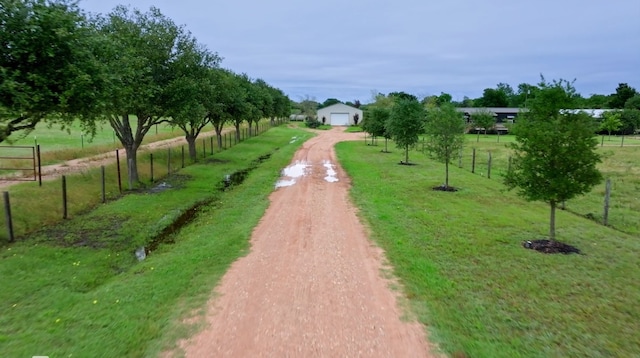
{"x":312,"y":284}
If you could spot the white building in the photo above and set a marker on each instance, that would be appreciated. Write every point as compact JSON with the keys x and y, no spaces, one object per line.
{"x":339,"y":114}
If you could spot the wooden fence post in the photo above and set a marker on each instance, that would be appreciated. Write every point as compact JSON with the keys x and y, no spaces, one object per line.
{"x":607,"y":197}
{"x":489,"y":167}
{"x":211,"y":138}
{"x":104,"y":184}
{"x":182,"y":156}
{"x":622,"y":143}
{"x":7,"y":216}
{"x":64,"y":197}
{"x":119,"y":174}
{"x":473,"y":161}
{"x":151,"y":162}
{"x":39,"y":165}
{"x":204,"y":148}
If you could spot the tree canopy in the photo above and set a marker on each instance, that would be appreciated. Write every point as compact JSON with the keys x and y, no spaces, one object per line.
{"x":555,"y":152}
{"x":405,"y":124}
{"x":445,"y":128}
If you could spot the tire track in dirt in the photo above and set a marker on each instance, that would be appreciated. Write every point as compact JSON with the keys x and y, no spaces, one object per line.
{"x":311,"y":285}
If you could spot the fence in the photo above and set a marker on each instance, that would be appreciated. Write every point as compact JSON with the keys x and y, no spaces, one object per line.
{"x":105,"y":183}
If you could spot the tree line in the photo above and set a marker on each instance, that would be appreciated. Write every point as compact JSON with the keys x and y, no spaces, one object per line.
{"x":554,"y":154}
{"x":129,"y":68}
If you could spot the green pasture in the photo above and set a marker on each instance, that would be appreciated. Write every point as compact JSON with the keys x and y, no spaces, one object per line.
{"x":76,"y":289}
{"x":461,"y":263}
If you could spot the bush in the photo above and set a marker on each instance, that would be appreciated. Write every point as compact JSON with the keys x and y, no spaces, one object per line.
{"x":313,"y":123}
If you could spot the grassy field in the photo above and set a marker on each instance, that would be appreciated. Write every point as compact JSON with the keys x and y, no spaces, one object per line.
{"x":58,"y":145}
{"x":460,"y":260}
{"x":77,"y":290}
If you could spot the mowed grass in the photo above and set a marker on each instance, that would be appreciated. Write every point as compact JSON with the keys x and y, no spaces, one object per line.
{"x":620,"y":164}
{"x":465,"y":273}
{"x":77,"y":290}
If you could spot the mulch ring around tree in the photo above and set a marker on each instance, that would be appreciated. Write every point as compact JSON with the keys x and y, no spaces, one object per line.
{"x":444,"y":188}
{"x":406,"y":163}
{"x":550,"y":247}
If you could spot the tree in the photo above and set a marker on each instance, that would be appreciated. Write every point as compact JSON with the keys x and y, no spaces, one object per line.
{"x":444,"y":128}
{"x":405,"y":123}
{"x":328,"y":102}
{"x":185,"y":92}
{"x":375,"y":123}
{"x":633,"y":102}
{"x":308,"y":106}
{"x":139,"y":54}
{"x":630,"y":119}
{"x":555,"y":153}
{"x":402,"y":95}
{"x":48,"y":69}
{"x":483,"y":119}
{"x":623,"y":93}
{"x":443,"y":98}
{"x":493,"y":98}
{"x":356,"y":118}
{"x":610,"y":122}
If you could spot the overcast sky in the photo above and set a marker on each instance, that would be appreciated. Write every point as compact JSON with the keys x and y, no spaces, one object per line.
{"x":347,"y":49}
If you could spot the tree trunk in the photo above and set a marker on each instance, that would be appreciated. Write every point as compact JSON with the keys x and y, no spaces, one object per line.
{"x":385,"y":144}
{"x":237,"y":125}
{"x":478,"y":137}
{"x":552,"y":221}
{"x":446,"y":176}
{"x":131,"y":149}
{"x":257,"y":128}
{"x":191,"y":142}
{"x":406,"y":154}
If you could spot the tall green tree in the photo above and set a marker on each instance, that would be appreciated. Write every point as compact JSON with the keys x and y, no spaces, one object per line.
{"x":555,"y":154}
{"x":444,"y":128}
{"x":375,"y":123}
{"x":406,"y":122}
{"x":493,"y":98}
{"x":483,"y":119}
{"x":611,"y":122}
{"x":185,"y":93}
{"x":139,"y":54}
{"x":48,"y":68}
{"x":623,"y":93}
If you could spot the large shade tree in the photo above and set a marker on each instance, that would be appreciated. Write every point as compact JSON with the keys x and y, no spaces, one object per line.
{"x":186,"y":93}
{"x":405,"y":124}
{"x":48,"y":67}
{"x":555,"y":151}
{"x":141,"y":49}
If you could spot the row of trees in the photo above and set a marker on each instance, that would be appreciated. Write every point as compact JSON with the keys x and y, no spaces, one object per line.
{"x":130,"y":69}
{"x":403,"y":119}
{"x":555,"y":154}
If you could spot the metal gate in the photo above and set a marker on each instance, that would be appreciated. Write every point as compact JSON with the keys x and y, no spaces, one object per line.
{"x":19,"y":163}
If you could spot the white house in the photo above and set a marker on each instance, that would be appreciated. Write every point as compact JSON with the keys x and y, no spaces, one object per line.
{"x":339,"y":114}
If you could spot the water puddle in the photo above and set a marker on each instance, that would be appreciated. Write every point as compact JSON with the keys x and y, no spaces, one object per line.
{"x":331,"y":173}
{"x":291,"y":173}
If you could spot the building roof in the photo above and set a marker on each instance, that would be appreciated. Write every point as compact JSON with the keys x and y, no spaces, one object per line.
{"x":337,"y":105}
{"x":495,"y":110}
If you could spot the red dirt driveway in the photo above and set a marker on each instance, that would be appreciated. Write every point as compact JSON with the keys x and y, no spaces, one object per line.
{"x":312,"y":285}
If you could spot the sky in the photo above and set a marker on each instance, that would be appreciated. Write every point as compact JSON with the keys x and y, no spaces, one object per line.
{"x":352,"y":49}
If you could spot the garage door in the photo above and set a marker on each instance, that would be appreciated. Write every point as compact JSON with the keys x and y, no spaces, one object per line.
{"x":339,"y":119}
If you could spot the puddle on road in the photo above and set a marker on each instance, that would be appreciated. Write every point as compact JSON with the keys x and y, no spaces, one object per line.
{"x":331,"y":173}
{"x":291,"y":173}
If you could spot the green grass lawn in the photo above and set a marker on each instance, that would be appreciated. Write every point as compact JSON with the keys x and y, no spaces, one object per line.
{"x":76,"y":289}
{"x":460,"y":260}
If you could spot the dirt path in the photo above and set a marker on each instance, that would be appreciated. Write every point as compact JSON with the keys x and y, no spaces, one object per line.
{"x":311,"y":285}
{"x":55,"y":171}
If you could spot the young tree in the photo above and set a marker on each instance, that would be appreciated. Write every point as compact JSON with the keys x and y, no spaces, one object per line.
{"x":483,"y":119}
{"x":444,"y":128}
{"x":48,"y":69}
{"x":375,"y":123}
{"x":555,"y":153}
{"x":405,"y":123}
{"x":611,"y":122}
